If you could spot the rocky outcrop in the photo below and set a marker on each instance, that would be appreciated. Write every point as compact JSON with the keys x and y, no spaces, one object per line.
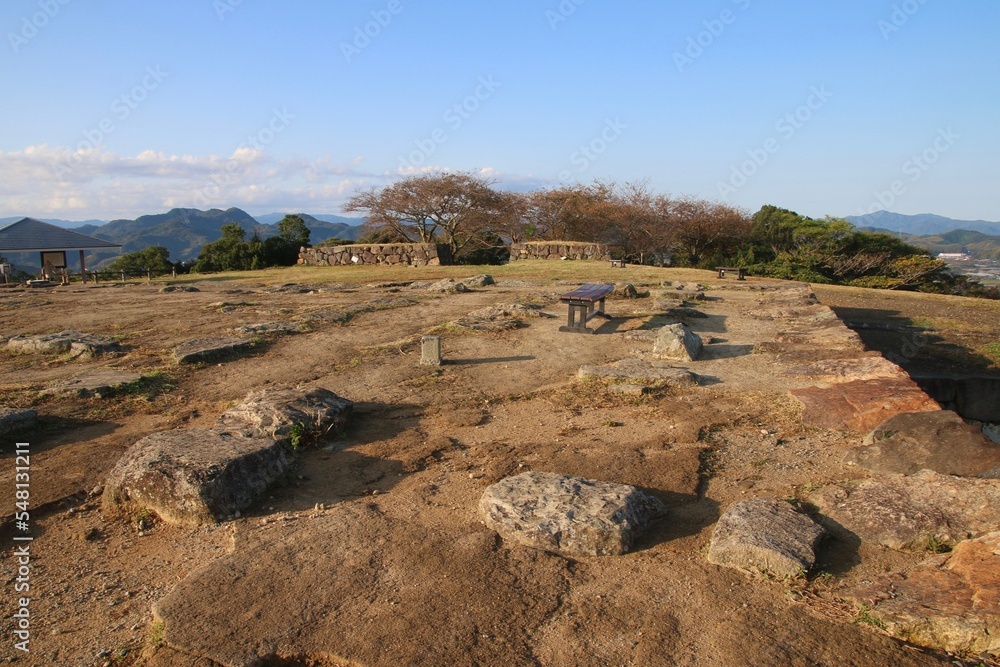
{"x":195,"y":476}
{"x":911,"y":512}
{"x":412,"y":254}
{"x":949,"y":602}
{"x":677,"y":342}
{"x":74,"y":343}
{"x":559,"y":250}
{"x":940,"y":441}
{"x":767,"y":536}
{"x":571,"y":516}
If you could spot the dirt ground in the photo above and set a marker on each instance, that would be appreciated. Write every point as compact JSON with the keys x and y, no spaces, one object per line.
{"x":402,"y":485}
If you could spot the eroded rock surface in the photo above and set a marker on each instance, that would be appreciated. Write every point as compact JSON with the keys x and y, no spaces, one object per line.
{"x":74,"y":343}
{"x":16,"y":419}
{"x":903,"y":512}
{"x":195,"y":476}
{"x":209,"y":349}
{"x":274,"y":413}
{"x":765,"y":535}
{"x":101,"y":383}
{"x":571,"y":516}
{"x":949,"y":602}
{"x":940,"y":441}
{"x":861,"y":405}
{"x":639,"y":370}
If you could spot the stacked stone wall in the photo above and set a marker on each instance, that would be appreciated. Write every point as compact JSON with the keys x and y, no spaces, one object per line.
{"x":559,"y":250}
{"x":411,"y":254}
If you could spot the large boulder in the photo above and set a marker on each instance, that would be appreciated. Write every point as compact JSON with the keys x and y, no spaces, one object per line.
{"x":911,"y":512}
{"x":195,"y":476}
{"x":16,"y":419}
{"x":677,"y":342}
{"x":571,"y":516}
{"x":949,"y":602}
{"x":940,"y":441}
{"x":765,"y":535}
{"x":276,"y":413}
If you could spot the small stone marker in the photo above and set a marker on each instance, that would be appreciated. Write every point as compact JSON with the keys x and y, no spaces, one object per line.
{"x":430,"y":351}
{"x":571,"y":516}
{"x":767,"y":535}
{"x":677,"y":342}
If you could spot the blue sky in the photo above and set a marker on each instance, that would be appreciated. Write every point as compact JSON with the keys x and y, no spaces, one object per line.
{"x":119,"y":109}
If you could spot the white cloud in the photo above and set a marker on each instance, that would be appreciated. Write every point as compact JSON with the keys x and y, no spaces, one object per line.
{"x":53,"y":181}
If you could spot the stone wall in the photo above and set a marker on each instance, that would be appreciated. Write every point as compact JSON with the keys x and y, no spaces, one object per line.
{"x":412,"y":254}
{"x":558,"y":250}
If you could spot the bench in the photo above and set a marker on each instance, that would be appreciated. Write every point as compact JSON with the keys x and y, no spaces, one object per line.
{"x":618,"y":264}
{"x":585,"y":302}
{"x":740,"y":273}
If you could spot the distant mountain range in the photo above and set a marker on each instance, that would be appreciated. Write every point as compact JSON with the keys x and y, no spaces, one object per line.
{"x":925,"y":224}
{"x":183,"y":231}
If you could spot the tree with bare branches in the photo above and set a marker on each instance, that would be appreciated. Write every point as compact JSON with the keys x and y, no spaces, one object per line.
{"x":453,"y":208}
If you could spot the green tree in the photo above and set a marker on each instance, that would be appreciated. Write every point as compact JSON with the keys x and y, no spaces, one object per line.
{"x":293,"y":230}
{"x":151,"y":258}
{"x":230,"y":253}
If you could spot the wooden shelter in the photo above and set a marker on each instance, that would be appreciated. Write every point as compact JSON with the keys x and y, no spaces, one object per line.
{"x":51,"y":242}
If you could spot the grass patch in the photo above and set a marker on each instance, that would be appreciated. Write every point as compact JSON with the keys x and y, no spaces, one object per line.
{"x":865,"y":616}
{"x":992,"y":352}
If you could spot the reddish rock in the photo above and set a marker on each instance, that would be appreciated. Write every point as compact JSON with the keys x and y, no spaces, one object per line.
{"x":939,"y":441}
{"x":861,"y":405}
{"x":848,"y":370}
{"x":949,"y":602}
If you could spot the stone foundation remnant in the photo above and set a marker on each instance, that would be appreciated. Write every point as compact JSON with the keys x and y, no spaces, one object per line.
{"x":411,"y":254}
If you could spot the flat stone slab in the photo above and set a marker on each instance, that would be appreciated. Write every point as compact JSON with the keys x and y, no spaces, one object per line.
{"x":274,"y":413}
{"x":16,"y":419}
{"x":269,"y":328}
{"x":848,"y":370}
{"x":479,"y":280}
{"x":764,"y":535}
{"x":940,"y":441}
{"x":99,"y":383}
{"x":209,"y":349}
{"x":861,"y":405}
{"x":180,"y":288}
{"x":571,"y":516}
{"x":74,"y":343}
{"x":905,"y":512}
{"x":195,"y":476}
{"x":677,"y":342}
{"x":949,"y":602}
{"x":641,"y":371}
{"x":806,"y":313}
